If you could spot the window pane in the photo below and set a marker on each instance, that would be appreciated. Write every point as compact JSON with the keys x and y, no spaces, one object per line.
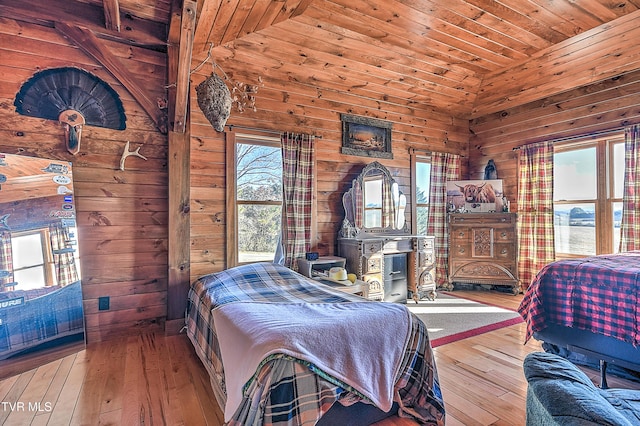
{"x":575,"y":231}
{"x":574,"y":175}
{"x":372,"y":218}
{"x":258,"y":232}
{"x":29,"y":278}
{"x":27,"y":250}
{"x":259,"y":172}
{"x":423,"y":176}
{"x":618,"y":170}
{"x":423,"y":214}
{"x":617,"y":218}
{"x":373,"y":193}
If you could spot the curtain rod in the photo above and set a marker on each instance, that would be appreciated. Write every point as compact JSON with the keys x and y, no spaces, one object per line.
{"x":256,"y":129}
{"x":413,"y":150}
{"x":577,"y":137}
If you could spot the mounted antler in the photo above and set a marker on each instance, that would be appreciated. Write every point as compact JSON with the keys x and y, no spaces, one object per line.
{"x":126,"y":153}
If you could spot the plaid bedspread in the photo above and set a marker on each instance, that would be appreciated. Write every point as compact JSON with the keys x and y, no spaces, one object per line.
{"x":597,"y":294}
{"x":287,"y":391}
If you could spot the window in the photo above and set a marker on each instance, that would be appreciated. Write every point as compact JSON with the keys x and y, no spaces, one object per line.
{"x":30,"y":261}
{"x":372,"y":202}
{"x":588,"y":185}
{"x":256,"y":185}
{"x":423,"y":181}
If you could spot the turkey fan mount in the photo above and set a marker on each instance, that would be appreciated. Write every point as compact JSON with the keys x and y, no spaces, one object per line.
{"x":73,"y":97}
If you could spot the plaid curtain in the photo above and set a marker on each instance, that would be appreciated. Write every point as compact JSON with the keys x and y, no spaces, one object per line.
{"x":444,"y":167}
{"x":297,"y":182}
{"x":66,"y":271}
{"x":388,"y":206}
{"x":629,"y":232}
{"x":536,"y":245}
{"x":358,"y":213}
{"x":6,"y":258}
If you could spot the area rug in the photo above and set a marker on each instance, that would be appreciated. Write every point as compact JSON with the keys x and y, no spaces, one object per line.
{"x":450,"y":318}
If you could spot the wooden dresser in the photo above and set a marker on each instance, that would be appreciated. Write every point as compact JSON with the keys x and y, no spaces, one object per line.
{"x":395,"y":266}
{"x":483,"y":249}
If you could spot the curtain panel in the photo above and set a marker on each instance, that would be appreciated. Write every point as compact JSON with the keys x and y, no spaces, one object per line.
{"x":297,"y":200}
{"x":6,"y":259}
{"x":536,"y":245}
{"x":629,"y":232}
{"x":444,"y":167}
{"x":63,"y":259}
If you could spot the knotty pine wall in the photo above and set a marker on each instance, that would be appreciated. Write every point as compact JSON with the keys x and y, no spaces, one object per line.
{"x":301,"y":108}
{"x":609,"y":104}
{"x":122,"y":215}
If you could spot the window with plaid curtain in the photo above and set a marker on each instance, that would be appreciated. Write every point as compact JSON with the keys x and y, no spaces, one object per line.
{"x":629,"y":232}
{"x":536,"y":246}
{"x":297,"y":181}
{"x":444,"y":167}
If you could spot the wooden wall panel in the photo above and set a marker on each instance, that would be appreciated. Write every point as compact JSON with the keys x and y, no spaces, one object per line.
{"x":122,"y":215}
{"x":610,"y":104}
{"x":298,"y":107}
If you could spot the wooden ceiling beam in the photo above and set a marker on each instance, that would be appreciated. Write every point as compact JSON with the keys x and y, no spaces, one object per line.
{"x":112,"y":14}
{"x":135,"y":31}
{"x":93,"y":47}
{"x":183,"y":74}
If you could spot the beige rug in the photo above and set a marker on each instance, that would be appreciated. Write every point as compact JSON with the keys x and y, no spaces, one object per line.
{"x":450,"y":318}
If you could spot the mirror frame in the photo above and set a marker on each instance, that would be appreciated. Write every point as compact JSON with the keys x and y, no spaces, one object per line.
{"x":40,"y":324}
{"x":353,"y":203}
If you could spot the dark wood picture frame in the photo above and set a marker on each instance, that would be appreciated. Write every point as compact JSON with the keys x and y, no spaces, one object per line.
{"x":366,"y":137}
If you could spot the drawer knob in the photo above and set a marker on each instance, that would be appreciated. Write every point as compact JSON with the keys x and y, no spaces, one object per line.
{"x":504,"y":251}
{"x":461,"y":234}
{"x":504,"y":234}
{"x":461,"y":250}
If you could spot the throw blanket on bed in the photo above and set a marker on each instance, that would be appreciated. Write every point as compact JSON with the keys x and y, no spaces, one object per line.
{"x":376,"y":337}
{"x":597,"y":294}
{"x":287,"y":392}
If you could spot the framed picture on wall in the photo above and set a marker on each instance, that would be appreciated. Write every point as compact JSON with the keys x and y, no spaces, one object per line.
{"x":475,"y":196}
{"x":366,"y":137}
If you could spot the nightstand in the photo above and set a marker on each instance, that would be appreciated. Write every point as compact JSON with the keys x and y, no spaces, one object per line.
{"x":319,"y":270}
{"x":320,"y":266}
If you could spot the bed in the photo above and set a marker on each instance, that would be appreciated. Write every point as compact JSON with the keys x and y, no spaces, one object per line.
{"x":36,"y":317}
{"x":587,"y":309}
{"x":324,"y":367}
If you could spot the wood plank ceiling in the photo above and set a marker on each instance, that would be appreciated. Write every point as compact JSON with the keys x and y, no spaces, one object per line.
{"x":441,"y":53}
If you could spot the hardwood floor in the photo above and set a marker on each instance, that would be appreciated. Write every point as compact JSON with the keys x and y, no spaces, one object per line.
{"x":152,"y":379}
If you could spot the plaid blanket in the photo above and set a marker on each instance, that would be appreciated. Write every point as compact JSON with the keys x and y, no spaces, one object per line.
{"x":33,"y":317}
{"x":288,"y":391}
{"x":597,"y":294}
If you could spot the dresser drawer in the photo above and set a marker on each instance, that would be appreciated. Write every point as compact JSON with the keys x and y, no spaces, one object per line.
{"x":473,"y":219}
{"x":398,"y":245}
{"x":504,"y":235}
{"x":424,"y":244}
{"x":459,"y":233}
{"x":505,"y":251}
{"x":460,"y":250}
{"x":371,"y":247}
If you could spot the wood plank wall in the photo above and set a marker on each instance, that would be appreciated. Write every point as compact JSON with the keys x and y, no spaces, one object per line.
{"x":122,"y":215}
{"x":609,"y":104}
{"x":301,"y":108}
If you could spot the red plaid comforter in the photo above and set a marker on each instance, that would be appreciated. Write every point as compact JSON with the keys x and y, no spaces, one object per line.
{"x":597,"y":294}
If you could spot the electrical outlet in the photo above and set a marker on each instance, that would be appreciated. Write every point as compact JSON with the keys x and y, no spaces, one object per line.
{"x":103,"y":303}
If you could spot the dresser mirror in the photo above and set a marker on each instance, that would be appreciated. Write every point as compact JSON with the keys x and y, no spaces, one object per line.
{"x":374,"y":203}
{"x":376,"y":243}
{"x":41,"y":313}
